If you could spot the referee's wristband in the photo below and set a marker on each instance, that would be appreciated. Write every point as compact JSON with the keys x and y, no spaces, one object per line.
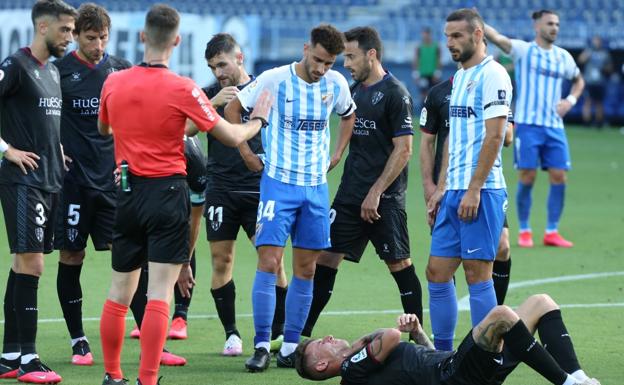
{"x":263,"y":121}
{"x":572,"y":99}
{"x":3,"y":145}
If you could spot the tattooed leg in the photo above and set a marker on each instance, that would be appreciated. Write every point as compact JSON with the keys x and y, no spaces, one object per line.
{"x":488,"y":334}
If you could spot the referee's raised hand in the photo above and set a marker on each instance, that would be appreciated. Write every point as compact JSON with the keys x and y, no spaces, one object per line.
{"x":23,"y":159}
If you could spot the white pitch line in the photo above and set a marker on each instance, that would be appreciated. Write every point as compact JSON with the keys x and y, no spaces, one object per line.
{"x":463,"y":304}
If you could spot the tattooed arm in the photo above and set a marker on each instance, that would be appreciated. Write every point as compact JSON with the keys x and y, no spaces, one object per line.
{"x":381,"y":343}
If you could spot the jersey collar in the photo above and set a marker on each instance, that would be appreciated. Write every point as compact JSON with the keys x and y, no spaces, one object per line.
{"x":88,"y":64}
{"x":28,"y":53}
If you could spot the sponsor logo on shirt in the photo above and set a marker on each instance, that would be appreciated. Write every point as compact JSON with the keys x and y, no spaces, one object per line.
{"x":363,"y":126}
{"x":423,"y":116}
{"x":311,"y":125}
{"x":52,"y":105}
{"x":87,"y":106}
{"x":462,"y":112}
{"x":502,"y":94}
{"x":407,"y":122}
{"x":197,"y":94}
{"x":359,"y":356}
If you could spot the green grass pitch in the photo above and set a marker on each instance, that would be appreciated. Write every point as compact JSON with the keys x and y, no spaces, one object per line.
{"x":366,"y":298}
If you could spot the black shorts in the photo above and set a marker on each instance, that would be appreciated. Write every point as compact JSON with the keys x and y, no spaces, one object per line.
{"x":84,"y":211}
{"x":29,"y":216}
{"x":470,"y":365}
{"x":227,"y":212}
{"x":151,"y":223}
{"x":350,"y":234}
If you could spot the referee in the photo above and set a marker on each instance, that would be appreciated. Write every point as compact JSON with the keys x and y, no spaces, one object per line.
{"x":146,"y":107}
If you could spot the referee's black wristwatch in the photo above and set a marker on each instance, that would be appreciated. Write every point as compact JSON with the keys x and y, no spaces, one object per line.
{"x":263,"y":121}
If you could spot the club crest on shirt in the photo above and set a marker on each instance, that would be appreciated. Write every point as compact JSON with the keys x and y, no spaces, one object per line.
{"x":75,"y":77}
{"x":359,"y":357}
{"x":377,"y":96}
{"x":406,"y":99}
{"x":327,"y":98}
{"x":55,"y":76}
{"x":37,"y":76}
{"x":471,"y":85}
{"x":502,"y":94}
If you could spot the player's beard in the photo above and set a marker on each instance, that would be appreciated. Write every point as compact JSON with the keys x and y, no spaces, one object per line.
{"x":55,"y":50}
{"x":363,"y":74}
{"x":548,"y":37}
{"x":308,"y":70}
{"x":94,"y":57}
{"x":228,"y":81}
{"x":467,"y":52}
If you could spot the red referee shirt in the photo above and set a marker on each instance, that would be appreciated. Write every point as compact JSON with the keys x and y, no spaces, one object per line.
{"x":147,"y":108}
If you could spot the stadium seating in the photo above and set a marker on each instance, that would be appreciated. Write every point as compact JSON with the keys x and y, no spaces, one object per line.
{"x":285,"y":22}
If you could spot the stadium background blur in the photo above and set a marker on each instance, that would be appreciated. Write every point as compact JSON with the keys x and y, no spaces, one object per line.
{"x":272,"y":31}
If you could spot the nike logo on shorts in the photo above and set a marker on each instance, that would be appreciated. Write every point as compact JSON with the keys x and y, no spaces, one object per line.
{"x":470,"y":251}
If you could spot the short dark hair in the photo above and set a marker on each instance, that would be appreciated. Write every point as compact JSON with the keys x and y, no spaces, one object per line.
{"x":300,"y":364}
{"x":161,"y":25}
{"x":329,"y":37}
{"x":92,"y":17}
{"x":367,"y":38}
{"x":220,"y":43}
{"x":469,"y":15}
{"x":54,"y":8}
{"x":538,"y":14}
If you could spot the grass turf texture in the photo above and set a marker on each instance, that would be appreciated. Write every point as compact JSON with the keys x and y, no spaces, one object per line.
{"x":593,"y":219}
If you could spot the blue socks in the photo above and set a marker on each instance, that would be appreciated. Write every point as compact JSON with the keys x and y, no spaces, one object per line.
{"x":443,"y":313}
{"x":482,"y":300}
{"x":263,"y":303}
{"x":523,"y":205}
{"x":556,"y":197}
{"x":298,"y":301}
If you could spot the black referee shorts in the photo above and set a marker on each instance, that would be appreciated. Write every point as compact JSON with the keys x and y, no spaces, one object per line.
{"x":151,"y":223}
{"x":29,"y":216}
{"x":350,"y":233}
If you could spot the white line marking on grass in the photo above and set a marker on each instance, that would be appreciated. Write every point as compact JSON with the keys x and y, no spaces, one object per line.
{"x":463,"y":304}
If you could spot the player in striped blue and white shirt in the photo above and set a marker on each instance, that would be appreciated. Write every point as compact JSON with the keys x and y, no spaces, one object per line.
{"x":294,"y":199}
{"x":541,"y":67}
{"x":472,"y":199}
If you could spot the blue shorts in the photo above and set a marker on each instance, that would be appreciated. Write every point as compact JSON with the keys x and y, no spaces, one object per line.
{"x":540,"y":145}
{"x":299,"y":211}
{"x":477,"y":239}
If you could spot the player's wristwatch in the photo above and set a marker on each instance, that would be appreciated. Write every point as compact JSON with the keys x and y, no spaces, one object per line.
{"x":262,"y":120}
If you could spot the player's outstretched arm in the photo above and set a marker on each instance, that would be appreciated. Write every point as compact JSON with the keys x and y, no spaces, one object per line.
{"x":251,"y":159}
{"x":234,"y":134}
{"x":346,"y":130}
{"x":500,"y":40}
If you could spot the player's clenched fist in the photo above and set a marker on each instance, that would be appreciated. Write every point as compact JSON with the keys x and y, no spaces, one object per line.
{"x":224,"y":96}
{"x":408,"y":323}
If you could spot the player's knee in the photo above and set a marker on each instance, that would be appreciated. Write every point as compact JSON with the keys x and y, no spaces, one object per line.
{"x":543,"y":302}
{"x":72,"y":257}
{"x":503,"y":252}
{"x":434,"y":274}
{"x":477,"y":273}
{"x":503,"y":313}
{"x":269,"y":263}
{"x":30,"y":264}
{"x":222,"y":262}
{"x":527,"y":177}
{"x":557,"y":176}
{"x":330,"y":259}
{"x":398,"y":265}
